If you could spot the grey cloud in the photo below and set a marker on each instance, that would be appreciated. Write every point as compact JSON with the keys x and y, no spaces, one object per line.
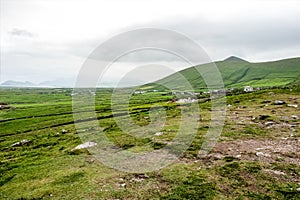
{"x":242,"y":35}
{"x":144,"y":45}
{"x":245,"y":36}
{"x":21,"y":33}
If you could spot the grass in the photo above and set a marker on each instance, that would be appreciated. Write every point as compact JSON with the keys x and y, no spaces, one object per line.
{"x":236,"y":73}
{"x":47,"y":168}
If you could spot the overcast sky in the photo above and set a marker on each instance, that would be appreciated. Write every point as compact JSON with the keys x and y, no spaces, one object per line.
{"x":49,"y":39}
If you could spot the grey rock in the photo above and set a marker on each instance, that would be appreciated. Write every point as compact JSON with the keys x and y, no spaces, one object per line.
{"x":216,"y":156}
{"x":21,"y":143}
{"x":64,"y":131}
{"x":293,"y":105}
{"x":279,"y":102}
{"x":123,"y":184}
{"x":85,"y":145}
{"x":295,"y":117}
{"x":261,"y":154}
{"x":158,"y":133}
{"x":276,"y":172}
{"x":269,"y":123}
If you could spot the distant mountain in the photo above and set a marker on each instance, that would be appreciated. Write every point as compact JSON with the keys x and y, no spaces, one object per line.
{"x":60,"y":82}
{"x":18,"y":83}
{"x":236,"y":73}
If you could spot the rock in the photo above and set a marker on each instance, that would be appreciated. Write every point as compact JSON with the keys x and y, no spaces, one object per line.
{"x":4,"y":106}
{"x":269,"y":123}
{"x":260,"y":154}
{"x":188,"y":100}
{"x":158,"y":133}
{"x":21,"y":143}
{"x":298,"y":189}
{"x":216,"y":156}
{"x":279,"y":102}
{"x":85,"y":145}
{"x":278,"y":172}
{"x":64,"y":131}
{"x":295,"y":117}
{"x":293,"y":105}
{"x":139,"y":178}
{"x":123,"y":184}
{"x":275,"y":172}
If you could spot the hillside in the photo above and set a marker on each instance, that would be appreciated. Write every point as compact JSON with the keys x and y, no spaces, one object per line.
{"x":237,"y":73}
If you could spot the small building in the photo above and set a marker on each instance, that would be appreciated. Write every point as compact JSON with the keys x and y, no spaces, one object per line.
{"x":248,"y":89}
{"x":139,"y":92}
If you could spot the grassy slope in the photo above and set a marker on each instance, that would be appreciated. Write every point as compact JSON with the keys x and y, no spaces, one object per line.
{"x":237,"y":73}
{"x":46,"y":168}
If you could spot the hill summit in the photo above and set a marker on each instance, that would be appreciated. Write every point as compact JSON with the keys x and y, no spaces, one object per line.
{"x":234,"y":59}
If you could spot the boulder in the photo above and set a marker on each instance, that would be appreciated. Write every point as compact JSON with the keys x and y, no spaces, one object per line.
{"x":4,"y":106}
{"x":64,"y":131}
{"x":270,"y":123}
{"x":21,"y":143}
{"x":279,"y":102}
{"x":85,"y":145}
{"x":276,"y":172}
{"x":158,"y":133}
{"x":215,"y":156}
{"x":261,"y":154}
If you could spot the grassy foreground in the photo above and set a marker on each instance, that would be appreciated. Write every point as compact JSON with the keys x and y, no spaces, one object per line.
{"x":257,"y":156}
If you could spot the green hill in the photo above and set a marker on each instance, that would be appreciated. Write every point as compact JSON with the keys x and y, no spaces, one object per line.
{"x":237,"y":73}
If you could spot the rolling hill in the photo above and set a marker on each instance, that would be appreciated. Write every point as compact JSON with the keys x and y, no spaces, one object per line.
{"x":237,"y":73}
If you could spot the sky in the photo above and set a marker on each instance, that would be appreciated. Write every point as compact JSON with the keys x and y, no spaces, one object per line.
{"x":43,"y":40}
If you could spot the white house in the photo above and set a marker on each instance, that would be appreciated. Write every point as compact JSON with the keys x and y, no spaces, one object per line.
{"x":248,"y":89}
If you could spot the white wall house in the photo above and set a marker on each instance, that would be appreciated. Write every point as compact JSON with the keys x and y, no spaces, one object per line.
{"x":248,"y":89}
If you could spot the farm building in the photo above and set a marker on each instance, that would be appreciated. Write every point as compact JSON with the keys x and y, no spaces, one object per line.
{"x":248,"y":89}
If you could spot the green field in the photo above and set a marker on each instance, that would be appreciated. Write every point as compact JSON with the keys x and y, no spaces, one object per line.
{"x":257,"y":155}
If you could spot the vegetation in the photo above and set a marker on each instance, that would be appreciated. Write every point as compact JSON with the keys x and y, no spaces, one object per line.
{"x":236,"y":73}
{"x":256,"y":157}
